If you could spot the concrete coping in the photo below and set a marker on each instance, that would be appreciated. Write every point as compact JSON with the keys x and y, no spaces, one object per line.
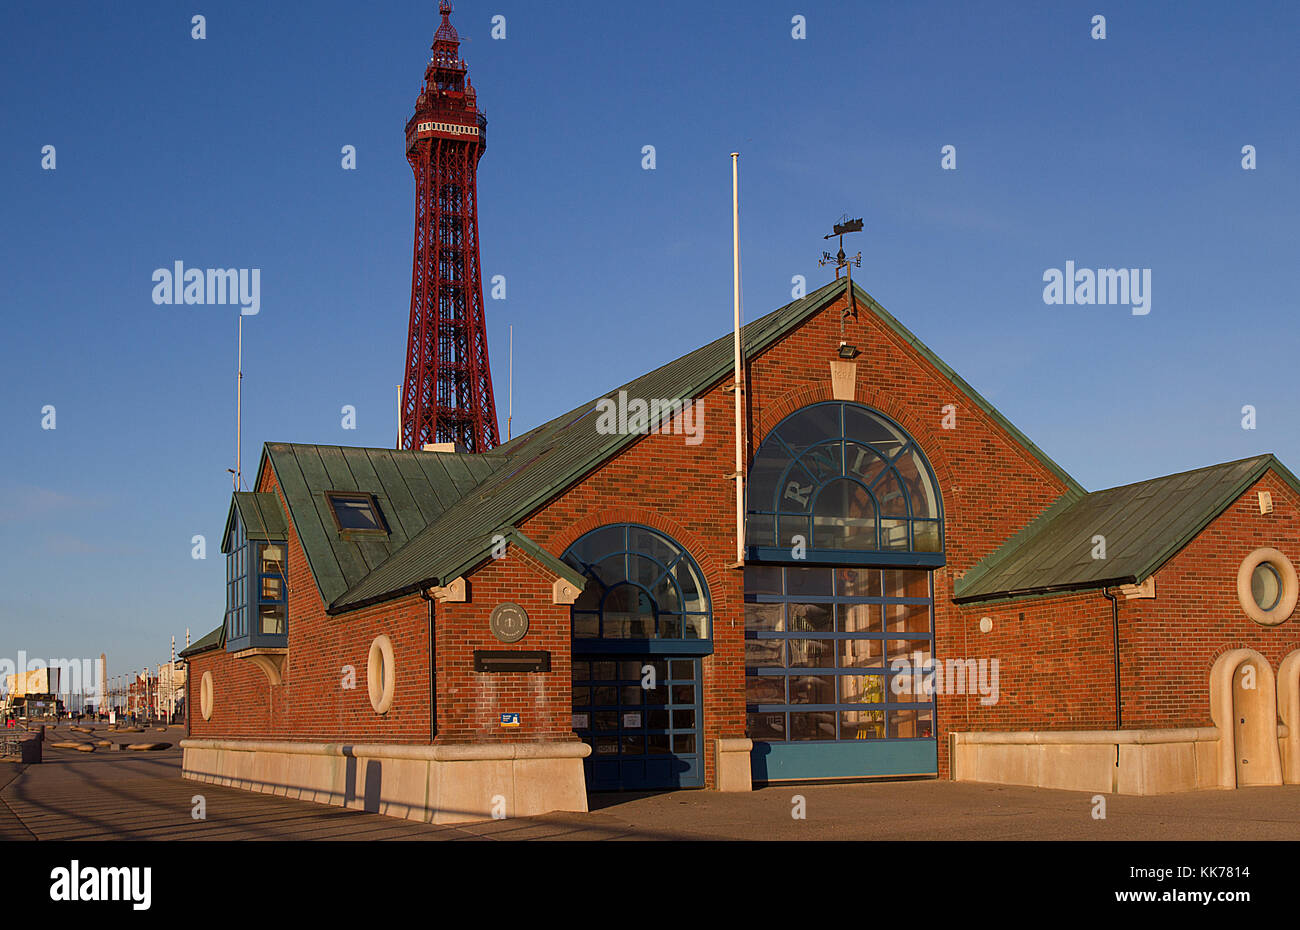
{"x":446,"y":752}
{"x":741,"y":744}
{"x":1093,"y":737}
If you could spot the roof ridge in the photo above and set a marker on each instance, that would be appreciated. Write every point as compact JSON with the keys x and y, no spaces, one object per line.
{"x":1179,"y":474}
{"x":327,"y":445}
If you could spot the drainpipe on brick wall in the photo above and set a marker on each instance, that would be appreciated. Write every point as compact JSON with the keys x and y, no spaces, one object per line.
{"x":1114,"y":612}
{"x":433,"y":718}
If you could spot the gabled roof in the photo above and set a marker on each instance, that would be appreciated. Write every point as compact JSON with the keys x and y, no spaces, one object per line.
{"x":412,"y":489}
{"x":214,"y":640}
{"x":1144,"y":525}
{"x":549,"y":459}
{"x":261,"y":515}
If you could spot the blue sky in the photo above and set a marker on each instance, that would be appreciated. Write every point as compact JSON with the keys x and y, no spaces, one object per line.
{"x":225,"y":152}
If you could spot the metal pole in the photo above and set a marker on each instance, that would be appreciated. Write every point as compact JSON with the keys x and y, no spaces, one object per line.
{"x":239,"y":406}
{"x":510,"y":384}
{"x":735,"y":282}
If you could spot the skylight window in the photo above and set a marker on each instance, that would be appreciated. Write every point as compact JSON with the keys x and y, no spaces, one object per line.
{"x":356,"y":512}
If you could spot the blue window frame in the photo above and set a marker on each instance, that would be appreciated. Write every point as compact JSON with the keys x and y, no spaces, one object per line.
{"x":843,"y":483}
{"x":257,"y":595}
{"x":237,"y":584}
{"x":644,"y":593}
{"x":822,"y":646}
{"x":272,"y":590}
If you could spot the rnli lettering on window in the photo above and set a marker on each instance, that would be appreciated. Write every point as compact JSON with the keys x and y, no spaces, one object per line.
{"x":456,"y":129}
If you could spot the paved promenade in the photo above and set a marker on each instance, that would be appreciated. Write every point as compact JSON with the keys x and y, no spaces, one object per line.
{"x":140,"y":796}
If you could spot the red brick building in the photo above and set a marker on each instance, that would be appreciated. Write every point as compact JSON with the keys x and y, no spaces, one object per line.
{"x":922,"y":592}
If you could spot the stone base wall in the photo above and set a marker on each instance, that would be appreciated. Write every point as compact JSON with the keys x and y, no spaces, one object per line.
{"x":433,"y":784}
{"x":1134,"y":762}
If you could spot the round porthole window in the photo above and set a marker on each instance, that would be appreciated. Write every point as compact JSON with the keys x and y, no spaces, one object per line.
{"x":205,"y":696}
{"x":380,"y":675}
{"x":1267,"y":586}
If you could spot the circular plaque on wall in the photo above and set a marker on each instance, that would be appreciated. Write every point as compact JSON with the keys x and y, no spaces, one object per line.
{"x":508,"y":622}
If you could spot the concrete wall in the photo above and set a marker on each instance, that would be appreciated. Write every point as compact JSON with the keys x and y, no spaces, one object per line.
{"x":1138,"y":762}
{"x":436,"y":784}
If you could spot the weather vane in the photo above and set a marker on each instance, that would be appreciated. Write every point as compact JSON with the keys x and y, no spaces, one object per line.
{"x":847,"y":262}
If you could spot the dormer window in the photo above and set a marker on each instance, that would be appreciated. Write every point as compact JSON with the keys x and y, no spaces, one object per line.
{"x":356,"y":513}
{"x":257,"y":572}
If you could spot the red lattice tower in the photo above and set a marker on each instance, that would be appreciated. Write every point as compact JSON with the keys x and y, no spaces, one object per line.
{"x":447,"y":395}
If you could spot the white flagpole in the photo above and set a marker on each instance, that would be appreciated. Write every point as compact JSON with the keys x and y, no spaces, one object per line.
{"x":736,"y":387}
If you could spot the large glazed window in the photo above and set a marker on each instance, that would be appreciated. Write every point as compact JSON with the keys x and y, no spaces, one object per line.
{"x":823,"y":649}
{"x":642,"y":586}
{"x":257,"y":596}
{"x":842,"y":480}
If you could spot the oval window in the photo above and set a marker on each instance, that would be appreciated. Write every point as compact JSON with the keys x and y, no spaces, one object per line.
{"x":1267,"y":586}
{"x":205,"y":695}
{"x":380,"y":674}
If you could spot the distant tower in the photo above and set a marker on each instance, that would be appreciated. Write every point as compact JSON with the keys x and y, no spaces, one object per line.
{"x":447,"y":395}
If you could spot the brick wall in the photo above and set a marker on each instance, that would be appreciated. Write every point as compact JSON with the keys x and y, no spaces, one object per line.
{"x":1196,"y":616}
{"x":313,"y":703}
{"x":470,"y":703}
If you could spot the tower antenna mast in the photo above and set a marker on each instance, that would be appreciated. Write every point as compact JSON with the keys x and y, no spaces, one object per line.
{"x":237,"y":471}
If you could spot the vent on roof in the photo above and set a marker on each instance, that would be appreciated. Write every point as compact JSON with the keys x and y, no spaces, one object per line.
{"x":442,"y":447}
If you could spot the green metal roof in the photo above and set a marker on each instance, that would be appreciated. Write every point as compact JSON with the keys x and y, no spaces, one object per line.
{"x":261,"y":515}
{"x":213,"y":640}
{"x":1144,"y":524}
{"x":412,"y":489}
{"x":547,"y":460}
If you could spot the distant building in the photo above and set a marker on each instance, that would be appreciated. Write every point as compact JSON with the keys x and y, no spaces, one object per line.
{"x":33,"y":681}
{"x":142,"y":696}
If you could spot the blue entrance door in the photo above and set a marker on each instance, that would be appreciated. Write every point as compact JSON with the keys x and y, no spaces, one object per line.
{"x":641,"y":717}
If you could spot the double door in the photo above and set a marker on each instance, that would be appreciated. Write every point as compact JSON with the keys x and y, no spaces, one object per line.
{"x":641,"y":715}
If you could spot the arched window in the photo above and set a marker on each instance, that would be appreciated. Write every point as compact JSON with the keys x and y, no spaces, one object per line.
{"x":642,"y":586}
{"x":843,"y":483}
{"x":839,"y":638}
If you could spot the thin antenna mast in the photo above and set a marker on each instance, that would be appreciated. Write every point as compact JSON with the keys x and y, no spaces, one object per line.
{"x":238,"y":470}
{"x":736,"y":384}
{"x":510,"y":384}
